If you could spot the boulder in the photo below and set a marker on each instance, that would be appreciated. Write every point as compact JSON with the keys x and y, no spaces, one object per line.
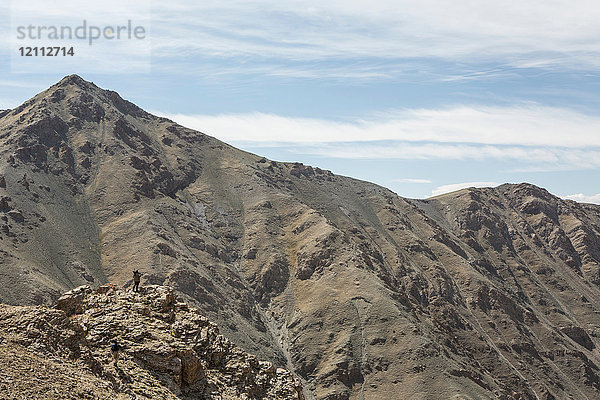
{"x":104,"y":289}
{"x":72,"y":301}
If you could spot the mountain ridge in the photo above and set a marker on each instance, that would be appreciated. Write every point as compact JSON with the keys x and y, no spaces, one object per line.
{"x":480,"y":293}
{"x":169,"y":351}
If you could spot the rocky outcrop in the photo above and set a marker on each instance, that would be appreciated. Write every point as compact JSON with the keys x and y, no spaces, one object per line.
{"x":169,"y":349}
{"x":579,"y":335}
{"x":72,"y":301}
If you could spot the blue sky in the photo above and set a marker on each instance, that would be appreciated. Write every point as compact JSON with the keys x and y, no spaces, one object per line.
{"x":417,"y":96}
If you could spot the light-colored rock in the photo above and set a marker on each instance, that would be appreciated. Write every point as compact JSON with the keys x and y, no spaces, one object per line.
{"x":72,"y":301}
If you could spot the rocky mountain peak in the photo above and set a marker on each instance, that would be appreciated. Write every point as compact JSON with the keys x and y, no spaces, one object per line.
{"x":75,"y":80}
{"x":76,"y":102}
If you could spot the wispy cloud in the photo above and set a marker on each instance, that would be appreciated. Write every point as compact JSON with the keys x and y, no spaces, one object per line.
{"x":530,"y":136}
{"x":522,"y":158}
{"x":457,"y":186}
{"x":545,"y":138}
{"x":468,"y":33}
{"x":358,"y":38}
{"x":582,"y":198}
{"x":524,"y":125}
{"x":411,"y":180}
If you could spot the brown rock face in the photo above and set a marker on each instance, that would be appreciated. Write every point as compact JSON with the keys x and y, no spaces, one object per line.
{"x":478,"y":294}
{"x":169,"y":350}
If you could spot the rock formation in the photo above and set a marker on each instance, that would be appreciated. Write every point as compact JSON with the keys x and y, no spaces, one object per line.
{"x":169,"y":351}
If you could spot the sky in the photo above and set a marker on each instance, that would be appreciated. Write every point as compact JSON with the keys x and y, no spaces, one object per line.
{"x":417,"y":96}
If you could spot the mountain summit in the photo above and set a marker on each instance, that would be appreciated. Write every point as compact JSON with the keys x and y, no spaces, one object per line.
{"x":479,"y":294}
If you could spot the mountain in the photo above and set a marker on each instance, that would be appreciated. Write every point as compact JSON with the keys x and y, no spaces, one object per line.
{"x":478,"y":294}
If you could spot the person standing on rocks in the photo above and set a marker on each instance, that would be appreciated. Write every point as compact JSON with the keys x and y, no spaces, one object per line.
{"x":115,"y":348}
{"x":136,"y":280}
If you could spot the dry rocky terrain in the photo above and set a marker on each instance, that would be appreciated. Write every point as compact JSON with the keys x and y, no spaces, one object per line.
{"x":362,"y":294}
{"x":169,"y":351}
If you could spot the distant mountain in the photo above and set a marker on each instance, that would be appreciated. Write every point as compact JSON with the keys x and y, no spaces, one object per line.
{"x":478,"y":294}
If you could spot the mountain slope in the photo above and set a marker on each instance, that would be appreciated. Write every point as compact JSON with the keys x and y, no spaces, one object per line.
{"x":483,"y":293}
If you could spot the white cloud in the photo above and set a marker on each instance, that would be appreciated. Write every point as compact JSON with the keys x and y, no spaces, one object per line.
{"x":536,"y":33}
{"x":531,"y":136}
{"x":411,"y":180}
{"x":525,"y":125}
{"x":582,"y":198}
{"x":523,"y":158}
{"x":457,"y":186}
